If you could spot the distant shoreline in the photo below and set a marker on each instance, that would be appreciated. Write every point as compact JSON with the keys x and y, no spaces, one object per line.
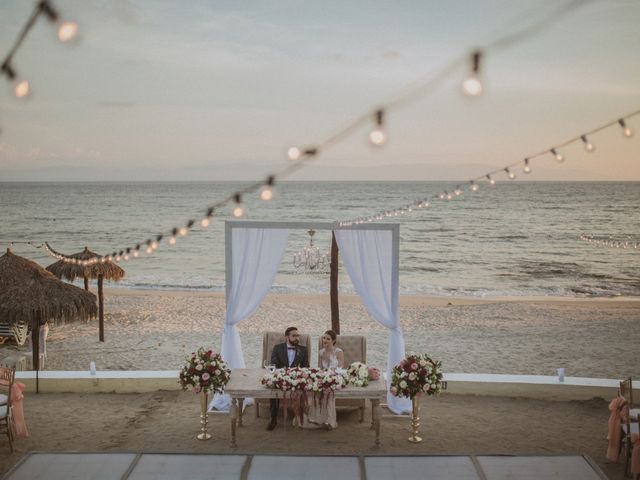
{"x":405,"y":300}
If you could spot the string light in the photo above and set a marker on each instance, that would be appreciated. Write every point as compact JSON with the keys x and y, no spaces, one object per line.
{"x":558,"y":155}
{"x":266,"y":193}
{"x":377,"y":136}
{"x":294,"y":153}
{"x":472,"y":86}
{"x":473,"y":186}
{"x":67,"y":31}
{"x":588,"y":146}
{"x":627,"y":244}
{"x":183,"y":231}
{"x":626,"y":130}
{"x":238,"y":210}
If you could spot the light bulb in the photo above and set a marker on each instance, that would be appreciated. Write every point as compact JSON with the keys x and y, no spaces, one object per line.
{"x":377,"y":137}
{"x":118,"y":258}
{"x":21,"y":88}
{"x":294,"y":153}
{"x":558,"y":155}
{"x":136,"y":253}
{"x":588,"y":146}
{"x":511,"y":175}
{"x":149,"y":250}
{"x":491,"y":180}
{"x":458,"y":192}
{"x":67,"y":31}
{"x":154,"y":245}
{"x":474,"y":187}
{"x":172,"y":240}
{"x":238,"y":211}
{"x":441,"y":196}
{"x":267,"y":193}
{"x":626,"y":130}
{"x":449,"y":196}
{"x":472,"y":86}
{"x":183,"y":231}
{"x":205,"y":222}
{"x":527,"y":168}
{"x":126,"y":257}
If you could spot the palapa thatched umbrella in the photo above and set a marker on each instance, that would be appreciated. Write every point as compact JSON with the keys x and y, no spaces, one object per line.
{"x":28,"y":292}
{"x":101,"y":270}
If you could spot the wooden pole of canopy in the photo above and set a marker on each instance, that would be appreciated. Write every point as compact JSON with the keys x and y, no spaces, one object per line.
{"x":86,"y":283}
{"x":101,"y":307}
{"x":333,"y":291}
{"x":35,"y":351}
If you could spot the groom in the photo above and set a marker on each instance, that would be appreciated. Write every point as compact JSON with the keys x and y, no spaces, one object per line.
{"x":287,"y":354}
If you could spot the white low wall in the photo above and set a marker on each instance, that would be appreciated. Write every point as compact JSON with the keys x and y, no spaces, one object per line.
{"x":139,"y":381}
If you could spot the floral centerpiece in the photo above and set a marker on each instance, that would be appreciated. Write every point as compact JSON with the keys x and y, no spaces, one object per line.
{"x":416,"y":374}
{"x":297,"y":383}
{"x":296,"y":379}
{"x":205,"y":371}
{"x":359,"y":375}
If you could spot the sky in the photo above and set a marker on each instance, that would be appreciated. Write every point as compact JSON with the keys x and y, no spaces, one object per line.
{"x":202,"y":90}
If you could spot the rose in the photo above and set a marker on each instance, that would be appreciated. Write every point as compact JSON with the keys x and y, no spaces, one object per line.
{"x":206,"y":376}
{"x":414,"y":366}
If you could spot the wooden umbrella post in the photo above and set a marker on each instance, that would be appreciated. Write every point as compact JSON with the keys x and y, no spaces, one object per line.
{"x":333,"y":279}
{"x":35,"y":351}
{"x":86,"y":283}
{"x":101,"y":307}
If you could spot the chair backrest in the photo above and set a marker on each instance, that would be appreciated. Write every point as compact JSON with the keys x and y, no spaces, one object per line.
{"x":7,"y":377}
{"x":271,"y":339}
{"x":354,"y":348}
{"x":626,"y":391}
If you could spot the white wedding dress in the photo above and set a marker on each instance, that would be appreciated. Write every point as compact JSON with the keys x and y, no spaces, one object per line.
{"x":322,"y":411}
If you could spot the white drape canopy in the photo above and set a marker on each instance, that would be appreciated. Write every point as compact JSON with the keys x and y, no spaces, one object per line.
{"x":369,"y":260}
{"x":370,"y":257}
{"x":255,"y":257}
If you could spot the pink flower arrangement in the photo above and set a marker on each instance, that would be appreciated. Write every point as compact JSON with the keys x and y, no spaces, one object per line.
{"x":204,"y":370}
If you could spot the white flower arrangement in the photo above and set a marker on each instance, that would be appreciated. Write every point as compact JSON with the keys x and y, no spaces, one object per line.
{"x":358,"y":374}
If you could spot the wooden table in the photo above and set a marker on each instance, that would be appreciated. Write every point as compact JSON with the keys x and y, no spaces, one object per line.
{"x":245,"y":383}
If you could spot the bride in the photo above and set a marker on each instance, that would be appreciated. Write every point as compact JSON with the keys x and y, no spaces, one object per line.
{"x":322,"y":412}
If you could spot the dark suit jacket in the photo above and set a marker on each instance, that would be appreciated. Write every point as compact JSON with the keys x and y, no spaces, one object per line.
{"x":280,"y":359}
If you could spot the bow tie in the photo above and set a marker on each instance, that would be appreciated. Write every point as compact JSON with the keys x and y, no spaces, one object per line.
{"x":291,"y":348}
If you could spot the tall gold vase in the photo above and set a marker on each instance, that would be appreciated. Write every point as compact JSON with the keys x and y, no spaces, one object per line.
{"x":204,"y":416}
{"x":415,"y":420}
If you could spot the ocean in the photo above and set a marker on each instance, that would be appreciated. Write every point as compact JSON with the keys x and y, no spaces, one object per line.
{"x":514,"y":239}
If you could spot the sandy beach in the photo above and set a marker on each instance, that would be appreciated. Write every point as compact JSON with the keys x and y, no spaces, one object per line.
{"x":168,"y":421}
{"x":154,"y":330}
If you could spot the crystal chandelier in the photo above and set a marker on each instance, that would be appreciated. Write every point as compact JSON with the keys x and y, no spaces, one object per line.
{"x":311,"y":259}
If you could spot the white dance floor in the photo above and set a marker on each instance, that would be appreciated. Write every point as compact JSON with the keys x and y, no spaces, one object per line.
{"x":148,"y":466}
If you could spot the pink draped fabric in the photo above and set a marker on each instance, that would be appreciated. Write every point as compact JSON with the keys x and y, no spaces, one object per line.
{"x":18,"y":412}
{"x":617,"y":407}
{"x":635,"y":455}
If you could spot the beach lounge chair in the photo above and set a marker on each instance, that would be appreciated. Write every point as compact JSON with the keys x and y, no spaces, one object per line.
{"x":354,"y":349}
{"x":18,"y":332}
{"x":269,"y":340}
{"x":7,"y":377}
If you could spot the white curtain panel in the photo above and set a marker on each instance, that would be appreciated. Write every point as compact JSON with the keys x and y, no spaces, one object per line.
{"x":256,"y":254}
{"x":368,"y":258}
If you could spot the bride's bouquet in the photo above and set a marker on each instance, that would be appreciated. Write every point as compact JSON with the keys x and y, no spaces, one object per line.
{"x":416,"y":374}
{"x":205,"y":371}
{"x":358,"y":374}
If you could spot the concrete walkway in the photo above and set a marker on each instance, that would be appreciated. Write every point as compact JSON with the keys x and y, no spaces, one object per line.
{"x":148,"y":466}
